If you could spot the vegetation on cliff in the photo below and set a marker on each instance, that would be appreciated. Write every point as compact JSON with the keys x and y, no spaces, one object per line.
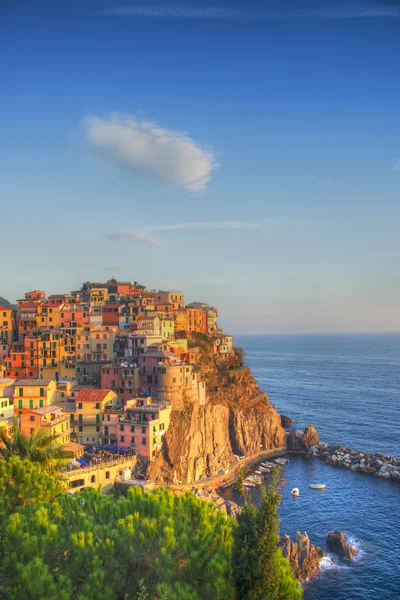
{"x":165,"y":546}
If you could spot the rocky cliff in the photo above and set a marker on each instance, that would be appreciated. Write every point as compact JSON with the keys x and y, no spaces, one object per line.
{"x":304,"y":558}
{"x":236,"y":419}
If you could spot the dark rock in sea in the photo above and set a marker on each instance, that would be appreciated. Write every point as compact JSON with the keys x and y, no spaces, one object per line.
{"x":286,"y":421}
{"x":293,"y":441}
{"x":304,"y":558}
{"x":310,"y":437}
{"x":336,"y":541}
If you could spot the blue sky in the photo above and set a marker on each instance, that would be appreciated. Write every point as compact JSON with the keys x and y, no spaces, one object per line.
{"x":246,"y":153}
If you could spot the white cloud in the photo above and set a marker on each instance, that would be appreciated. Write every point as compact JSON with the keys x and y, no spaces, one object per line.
{"x":396,"y":165}
{"x":167,"y":155}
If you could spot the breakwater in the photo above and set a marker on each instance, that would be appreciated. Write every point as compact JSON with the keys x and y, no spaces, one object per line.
{"x":379,"y":465}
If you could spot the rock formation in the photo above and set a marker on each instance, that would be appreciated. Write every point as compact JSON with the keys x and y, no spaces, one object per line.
{"x":304,"y":558}
{"x":236,"y":419}
{"x":336,"y":541}
{"x":286,"y":421}
{"x":297,"y":442}
{"x":310,"y":437}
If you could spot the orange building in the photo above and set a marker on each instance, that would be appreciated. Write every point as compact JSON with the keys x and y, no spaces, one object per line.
{"x":196,"y":320}
{"x":7,"y":328}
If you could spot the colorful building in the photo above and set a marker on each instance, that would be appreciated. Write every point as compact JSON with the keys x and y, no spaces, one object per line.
{"x":143,"y":426}
{"x":90,"y":405}
{"x":33,"y":393}
{"x":51,"y":418}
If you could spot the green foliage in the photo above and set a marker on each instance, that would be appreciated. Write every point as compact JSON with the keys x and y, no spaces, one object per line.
{"x":240,"y":482}
{"x":37,"y":447}
{"x":260,"y":571}
{"x":174,"y":547}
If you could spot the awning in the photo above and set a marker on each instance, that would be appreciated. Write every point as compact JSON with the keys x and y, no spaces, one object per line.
{"x":74,"y":448}
{"x":82,"y":462}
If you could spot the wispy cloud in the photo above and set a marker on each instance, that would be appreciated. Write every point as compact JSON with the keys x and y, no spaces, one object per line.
{"x":341,"y":10}
{"x":138,"y":237}
{"x":164,"y":154}
{"x":396,"y":165}
{"x":141,"y":235}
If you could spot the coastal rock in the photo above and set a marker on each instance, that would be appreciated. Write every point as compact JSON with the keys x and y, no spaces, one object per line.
{"x":286,"y":421}
{"x":304,"y":558}
{"x":310,"y":437}
{"x":336,"y":541}
{"x":202,"y":440}
{"x":229,"y":507}
{"x":293,"y":441}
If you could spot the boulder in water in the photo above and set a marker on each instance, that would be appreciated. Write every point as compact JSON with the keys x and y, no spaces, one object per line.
{"x":336,"y":541}
{"x":286,"y":421}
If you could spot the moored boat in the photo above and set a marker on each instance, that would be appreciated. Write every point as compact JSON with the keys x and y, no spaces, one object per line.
{"x":295,"y":491}
{"x":317,"y":486}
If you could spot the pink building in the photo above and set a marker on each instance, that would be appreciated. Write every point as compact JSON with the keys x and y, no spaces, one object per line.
{"x":143,"y":426}
{"x":124,"y":379}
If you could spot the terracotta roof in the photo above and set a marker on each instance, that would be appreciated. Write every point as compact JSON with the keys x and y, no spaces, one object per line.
{"x":2,"y":307}
{"x":92,"y":395}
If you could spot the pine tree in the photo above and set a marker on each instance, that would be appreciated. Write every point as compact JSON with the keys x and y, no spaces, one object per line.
{"x":260,"y":571}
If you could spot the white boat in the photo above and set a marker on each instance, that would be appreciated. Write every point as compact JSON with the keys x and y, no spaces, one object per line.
{"x":268,"y":465}
{"x":295,"y":491}
{"x":317,"y":486}
{"x":281,"y":461}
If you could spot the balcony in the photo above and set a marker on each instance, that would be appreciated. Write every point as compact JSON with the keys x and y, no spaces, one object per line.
{"x":50,"y":423}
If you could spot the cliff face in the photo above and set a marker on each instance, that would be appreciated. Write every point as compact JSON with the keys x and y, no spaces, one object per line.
{"x":236,"y":418}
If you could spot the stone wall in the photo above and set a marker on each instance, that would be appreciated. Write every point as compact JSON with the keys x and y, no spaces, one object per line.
{"x":105,"y":474}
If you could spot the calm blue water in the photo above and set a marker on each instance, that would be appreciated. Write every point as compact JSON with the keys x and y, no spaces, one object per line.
{"x":348,"y":386}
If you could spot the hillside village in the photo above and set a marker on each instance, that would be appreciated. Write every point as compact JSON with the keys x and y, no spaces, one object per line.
{"x":103,"y":365}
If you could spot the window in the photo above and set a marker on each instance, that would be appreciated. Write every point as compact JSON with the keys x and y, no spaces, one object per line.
{"x":107,"y":474}
{"x":80,"y":418}
{"x":132,"y":429}
{"x":31,"y":418}
{"x":97,"y":405}
{"x":144,"y":442}
{"x":62,"y":394}
{"x":93,"y":478}
{"x":30,"y":403}
{"x":132,"y":441}
{"x":97,"y":428}
{"x":79,"y":404}
{"x":122,"y":438}
{"x":121,"y":427}
{"x":174,"y":380}
{"x":80,"y":428}
{"x":20,"y":391}
{"x":41,"y":392}
{"x":143,"y":429}
{"x":154,"y":428}
{"x":40,"y":403}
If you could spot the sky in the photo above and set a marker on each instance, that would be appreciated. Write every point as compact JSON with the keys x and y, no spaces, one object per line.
{"x":246,"y":153}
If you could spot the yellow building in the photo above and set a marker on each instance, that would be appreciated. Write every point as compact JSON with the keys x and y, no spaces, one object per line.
{"x":7,"y":326}
{"x":181,"y":321}
{"x":95,"y":343}
{"x":33,"y":393}
{"x":90,"y":405}
{"x":6,"y":398}
{"x":51,"y":353}
{"x":48,"y":315}
{"x":51,"y":418}
{"x":167,"y":328}
{"x":98,"y":295}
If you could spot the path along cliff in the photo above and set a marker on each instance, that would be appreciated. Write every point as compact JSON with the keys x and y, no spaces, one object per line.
{"x":236,"y":418}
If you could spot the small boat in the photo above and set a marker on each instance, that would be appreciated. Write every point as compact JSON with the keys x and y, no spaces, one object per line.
{"x":317,"y":486}
{"x":248,"y":484}
{"x":295,"y":491}
{"x":281,"y":461}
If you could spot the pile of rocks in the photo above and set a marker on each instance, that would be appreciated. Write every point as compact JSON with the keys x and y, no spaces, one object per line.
{"x":379,"y":465}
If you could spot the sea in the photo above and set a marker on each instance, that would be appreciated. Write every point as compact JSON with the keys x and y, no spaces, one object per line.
{"x":348,"y":386}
